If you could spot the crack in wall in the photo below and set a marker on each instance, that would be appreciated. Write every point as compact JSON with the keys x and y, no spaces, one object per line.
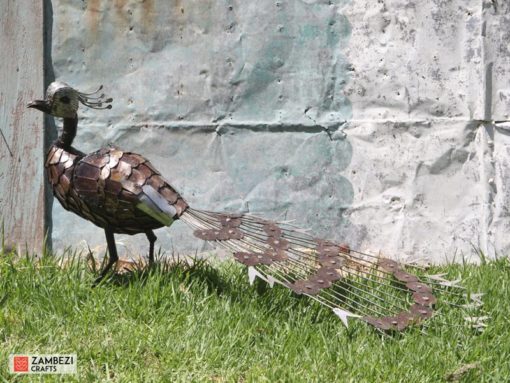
{"x":486,"y":143}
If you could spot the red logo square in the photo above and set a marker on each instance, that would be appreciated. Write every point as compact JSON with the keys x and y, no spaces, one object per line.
{"x":21,"y":364}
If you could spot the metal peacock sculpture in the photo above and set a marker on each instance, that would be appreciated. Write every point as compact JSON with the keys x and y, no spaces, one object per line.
{"x":122,"y":192}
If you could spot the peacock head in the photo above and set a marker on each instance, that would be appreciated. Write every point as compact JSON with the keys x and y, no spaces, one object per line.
{"x":61,"y":100}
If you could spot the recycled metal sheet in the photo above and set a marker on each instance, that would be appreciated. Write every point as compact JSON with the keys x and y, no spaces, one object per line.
{"x":252,"y":259}
{"x":404,"y":276}
{"x":419,"y":287}
{"x":97,"y":159}
{"x":230,"y":221}
{"x":278,"y":243}
{"x":420,"y":311}
{"x":388,"y":264}
{"x":207,"y":235}
{"x":379,"y":323}
{"x":145,"y":170}
{"x":272,"y":230}
{"x":229,"y":233}
{"x":115,"y":156}
{"x":264,"y":128}
{"x":329,"y":273}
{"x":84,"y":170}
{"x":138,"y":178}
{"x":132,"y":159}
{"x":305,"y":287}
{"x":424,"y":298}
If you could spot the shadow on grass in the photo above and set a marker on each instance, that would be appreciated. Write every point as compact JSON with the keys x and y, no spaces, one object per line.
{"x":226,"y":280}
{"x":167,"y":270}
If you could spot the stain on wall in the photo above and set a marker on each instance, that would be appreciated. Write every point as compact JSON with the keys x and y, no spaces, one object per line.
{"x":239,"y":104}
{"x":384,"y":123}
{"x":428,"y":126}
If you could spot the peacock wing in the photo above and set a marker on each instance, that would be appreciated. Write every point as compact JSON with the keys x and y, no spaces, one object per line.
{"x":126,"y":184}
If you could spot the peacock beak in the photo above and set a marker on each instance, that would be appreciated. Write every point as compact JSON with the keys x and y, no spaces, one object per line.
{"x":41,"y":105}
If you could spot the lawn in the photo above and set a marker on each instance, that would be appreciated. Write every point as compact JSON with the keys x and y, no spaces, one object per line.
{"x":205,"y":323}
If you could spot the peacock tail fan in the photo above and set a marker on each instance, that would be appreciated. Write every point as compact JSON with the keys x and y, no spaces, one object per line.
{"x":376,"y":290}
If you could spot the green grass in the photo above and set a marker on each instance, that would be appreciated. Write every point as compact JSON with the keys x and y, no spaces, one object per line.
{"x":202,"y":323}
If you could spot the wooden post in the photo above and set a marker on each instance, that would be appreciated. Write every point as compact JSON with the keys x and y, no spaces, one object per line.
{"x":22,"y":129}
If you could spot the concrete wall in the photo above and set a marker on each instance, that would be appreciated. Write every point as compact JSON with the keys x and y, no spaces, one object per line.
{"x":379,"y":123}
{"x":430,"y":94}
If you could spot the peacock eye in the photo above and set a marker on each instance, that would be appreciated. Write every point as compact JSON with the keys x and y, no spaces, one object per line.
{"x":65,"y":99}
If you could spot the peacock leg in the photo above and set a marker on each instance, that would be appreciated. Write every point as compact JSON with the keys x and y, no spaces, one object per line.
{"x":152,"y":238}
{"x":112,"y":252}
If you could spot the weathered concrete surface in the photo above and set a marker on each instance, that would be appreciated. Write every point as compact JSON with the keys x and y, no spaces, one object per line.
{"x":419,"y":186}
{"x":430,"y":156}
{"x":235,"y":102}
{"x":368,"y":121}
{"x":416,"y":60}
{"x":21,"y":136}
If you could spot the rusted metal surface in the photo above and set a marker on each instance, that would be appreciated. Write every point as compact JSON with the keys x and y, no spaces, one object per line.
{"x":421,"y":294}
{"x":418,"y":287}
{"x":230,"y":231}
{"x":253,"y":259}
{"x":305,"y":286}
{"x":22,"y":138}
{"x":329,"y":274}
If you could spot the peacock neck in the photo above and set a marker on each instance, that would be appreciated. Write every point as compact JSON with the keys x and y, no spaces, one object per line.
{"x":65,"y":140}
